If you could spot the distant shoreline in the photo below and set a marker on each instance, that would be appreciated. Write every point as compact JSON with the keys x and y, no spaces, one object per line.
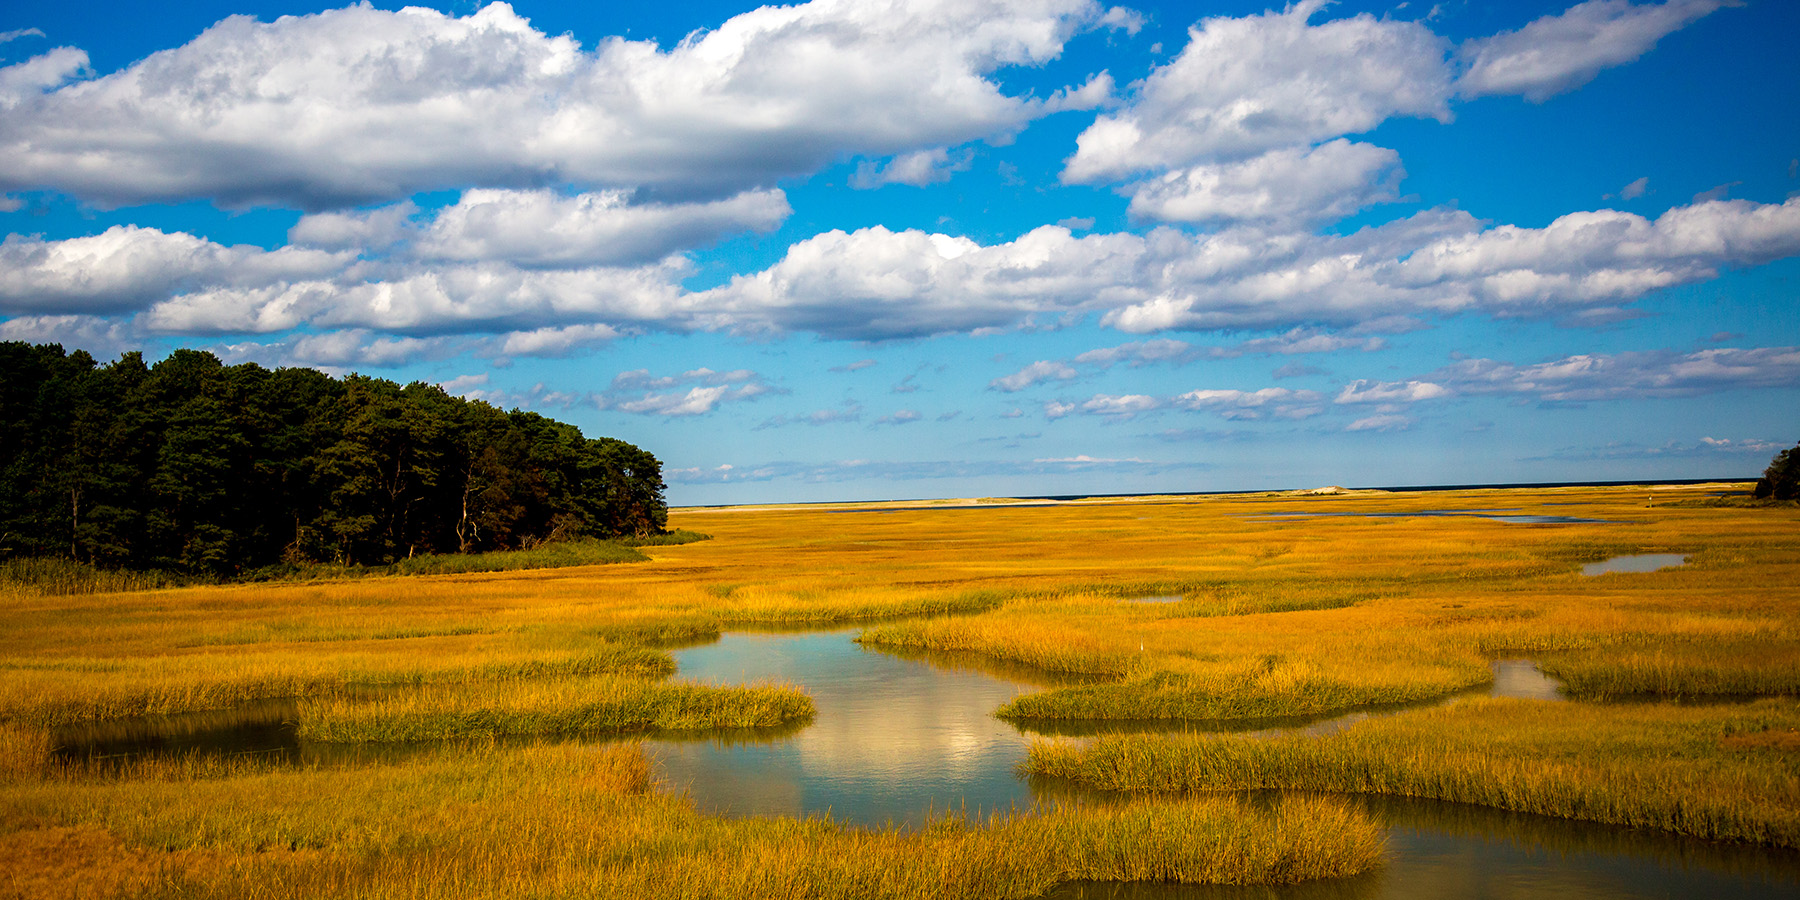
{"x":1424,"y":487}
{"x":1048,"y":499}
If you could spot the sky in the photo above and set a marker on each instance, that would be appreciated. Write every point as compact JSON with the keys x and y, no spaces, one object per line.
{"x":895,"y":249}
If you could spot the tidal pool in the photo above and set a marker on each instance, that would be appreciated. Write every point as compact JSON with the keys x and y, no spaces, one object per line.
{"x":1639,"y":562}
{"x":894,"y":739}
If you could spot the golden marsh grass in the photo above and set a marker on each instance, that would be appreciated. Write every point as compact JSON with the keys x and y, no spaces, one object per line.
{"x":1278,"y":616}
{"x":1716,"y":772}
{"x":589,"y":705}
{"x":572,"y":820}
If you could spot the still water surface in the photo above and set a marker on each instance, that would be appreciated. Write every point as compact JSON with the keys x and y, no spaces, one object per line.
{"x":893,"y":738}
{"x":1638,"y":562}
{"x":1505,"y":516}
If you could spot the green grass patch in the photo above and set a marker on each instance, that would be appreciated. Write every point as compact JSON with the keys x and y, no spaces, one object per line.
{"x":53,"y":576}
{"x":59,"y":577}
{"x":669,"y":538}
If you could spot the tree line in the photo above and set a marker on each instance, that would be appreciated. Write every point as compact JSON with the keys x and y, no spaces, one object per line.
{"x":194,"y":466}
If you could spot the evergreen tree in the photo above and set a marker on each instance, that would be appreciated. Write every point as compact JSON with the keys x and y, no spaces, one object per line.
{"x":196,"y":466}
{"x":1781,"y":480}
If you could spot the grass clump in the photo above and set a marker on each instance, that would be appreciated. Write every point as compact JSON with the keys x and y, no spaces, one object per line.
{"x":1213,"y":840}
{"x":1062,"y":647}
{"x":1708,"y":772}
{"x":1169,"y":669}
{"x":670,"y":538}
{"x":67,"y":691}
{"x":1271,"y":688}
{"x":601,"y":705}
{"x":1689,"y":669}
{"x":758,"y":605}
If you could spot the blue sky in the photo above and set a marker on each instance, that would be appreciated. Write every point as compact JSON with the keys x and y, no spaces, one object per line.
{"x":864,"y":250}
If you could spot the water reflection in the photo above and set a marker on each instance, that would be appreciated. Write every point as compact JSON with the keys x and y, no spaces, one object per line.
{"x":1505,"y":516}
{"x":1521,"y":678}
{"x":1637,"y":562}
{"x":893,"y":736}
{"x":261,"y":729}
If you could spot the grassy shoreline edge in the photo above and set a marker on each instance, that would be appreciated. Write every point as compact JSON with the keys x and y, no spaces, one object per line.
{"x":1713,"y":772}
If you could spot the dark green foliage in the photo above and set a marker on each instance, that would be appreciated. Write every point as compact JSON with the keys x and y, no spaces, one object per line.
{"x":1781,"y":480}
{"x":191,"y":466}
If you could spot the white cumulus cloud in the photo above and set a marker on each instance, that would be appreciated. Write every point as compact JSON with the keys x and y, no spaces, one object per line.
{"x":1381,"y":422}
{"x":918,"y":169}
{"x":640,"y":392}
{"x":360,"y":105}
{"x":544,"y":229}
{"x":873,"y":284}
{"x":1037,"y":372}
{"x":1654,"y":373}
{"x":1245,"y":86}
{"x":1559,"y":53}
{"x":1283,"y":403}
{"x":21,"y":83}
{"x":1363,"y":391}
{"x":1292,"y":185}
{"x":127,"y":267}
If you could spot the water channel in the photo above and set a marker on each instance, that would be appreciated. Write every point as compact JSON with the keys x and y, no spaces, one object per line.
{"x":1503,"y":516}
{"x":899,"y":737}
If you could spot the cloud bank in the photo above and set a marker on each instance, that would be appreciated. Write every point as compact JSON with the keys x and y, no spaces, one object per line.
{"x":361,"y":105}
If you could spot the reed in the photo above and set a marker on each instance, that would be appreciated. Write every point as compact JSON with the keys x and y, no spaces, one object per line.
{"x":24,"y":751}
{"x":1687,"y":669}
{"x":600,"y":705}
